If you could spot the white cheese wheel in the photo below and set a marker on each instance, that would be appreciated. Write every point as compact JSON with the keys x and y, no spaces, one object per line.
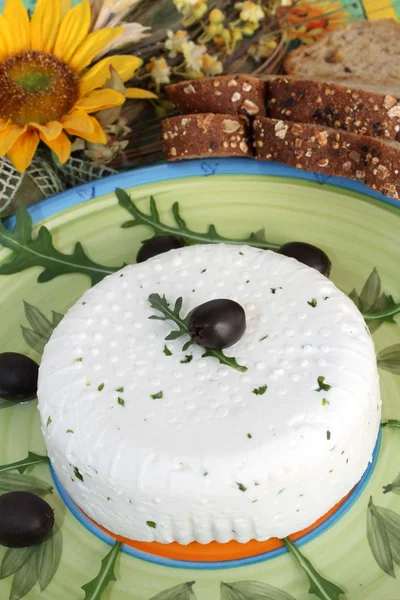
{"x":157,"y":443}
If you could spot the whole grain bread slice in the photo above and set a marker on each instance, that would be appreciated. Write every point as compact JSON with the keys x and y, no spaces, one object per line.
{"x":227,"y":94}
{"x":330,"y":151}
{"x":206,"y":135}
{"x":333,"y":105}
{"x":365,"y":53}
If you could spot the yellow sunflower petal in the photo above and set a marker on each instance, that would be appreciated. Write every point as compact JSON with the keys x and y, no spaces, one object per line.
{"x":92,"y":45}
{"x":4,"y":124}
{"x":138,"y":93}
{"x":44,"y":24}
{"x":73,"y":30}
{"x":61,"y":146}
{"x":6,"y":41}
{"x":23,"y":150}
{"x":51,"y":130}
{"x":9,"y":136}
{"x":96,"y":77}
{"x":99,"y":100}
{"x":65,"y":7}
{"x":97,"y":137}
{"x":16,"y":15}
{"x":78,"y":121}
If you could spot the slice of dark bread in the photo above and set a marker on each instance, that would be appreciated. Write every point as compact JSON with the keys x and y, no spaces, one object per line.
{"x":330,"y":151}
{"x":205,"y":135}
{"x":227,"y":94}
{"x":341,"y":107}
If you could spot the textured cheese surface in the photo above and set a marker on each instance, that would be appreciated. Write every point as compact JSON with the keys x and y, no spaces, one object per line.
{"x":155,"y":445}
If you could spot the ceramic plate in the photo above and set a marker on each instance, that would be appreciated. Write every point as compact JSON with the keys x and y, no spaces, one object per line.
{"x":358,"y":229}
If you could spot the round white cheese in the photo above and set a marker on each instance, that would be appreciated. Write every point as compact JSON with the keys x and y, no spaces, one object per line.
{"x":159,"y":443}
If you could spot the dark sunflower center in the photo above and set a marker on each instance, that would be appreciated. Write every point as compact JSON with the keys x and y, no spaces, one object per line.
{"x":36,"y":88}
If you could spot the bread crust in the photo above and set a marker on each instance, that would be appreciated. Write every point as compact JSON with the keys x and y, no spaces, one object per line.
{"x":340,"y":107}
{"x":329,"y":151}
{"x":206,"y":135}
{"x":227,"y":94}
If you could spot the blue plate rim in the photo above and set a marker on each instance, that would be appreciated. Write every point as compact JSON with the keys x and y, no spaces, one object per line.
{"x":196,"y":168}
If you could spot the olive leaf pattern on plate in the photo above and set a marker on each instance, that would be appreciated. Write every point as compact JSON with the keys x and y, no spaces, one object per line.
{"x":393,"y":487}
{"x":252,"y":590}
{"x":36,"y":564}
{"x":374,"y":304}
{"x":389,"y":359}
{"x":41,"y":327}
{"x":383,"y":533}
{"x":183,"y":591}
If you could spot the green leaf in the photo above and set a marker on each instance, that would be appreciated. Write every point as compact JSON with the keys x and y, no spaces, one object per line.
{"x":48,"y":559}
{"x":251,"y":590}
{"x":35,"y":340}
{"x":160,"y":304}
{"x":319,"y":586}
{"x":181,"y":230}
{"x":57,"y":318}
{"x":356,"y":299}
{"x":95,"y":588}
{"x":391,"y":423}
{"x":151,"y":524}
{"x":260,"y":390}
{"x":29,"y":251}
{"x":6,"y":403}
{"x":38,"y":321}
{"x":393,"y":487}
{"x":22,"y":465}
{"x":25,"y":578}
{"x":179,"y":592}
{"x":389,"y":359}
{"x":14,"y":559}
{"x":378,"y":540}
{"x":229,"y":361}
{"x":13,"y":482}
{"x":371,"y":291}
{"x":322,"y":386}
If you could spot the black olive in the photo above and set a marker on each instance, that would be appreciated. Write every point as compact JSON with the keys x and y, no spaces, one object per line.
{"x":158,"y":245}
{"x":217,"y":324}
{"x":308,"y":255}
{"x":18,"y":377}
{"x":25,"y":519}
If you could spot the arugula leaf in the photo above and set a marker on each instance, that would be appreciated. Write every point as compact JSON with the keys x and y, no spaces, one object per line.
{"x":95,"y":588}
{"x":31,"y":460}
{"x":211,"y":236}
{"x":319,"y":586}
{"x":391,"y":423}
{"x":39,"y":251}
{"x":160,"y":304}
{"x":393,"y":487}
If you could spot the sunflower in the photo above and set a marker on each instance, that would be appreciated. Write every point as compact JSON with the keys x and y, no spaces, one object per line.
{"x":48,"y":90}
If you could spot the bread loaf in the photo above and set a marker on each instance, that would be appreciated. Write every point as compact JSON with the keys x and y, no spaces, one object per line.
{"x":363,"y":53}
{"x":341,"y":107}
{"x":205,"y":135}
{"x":228,"y":94}
{"x":325,"y":150}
